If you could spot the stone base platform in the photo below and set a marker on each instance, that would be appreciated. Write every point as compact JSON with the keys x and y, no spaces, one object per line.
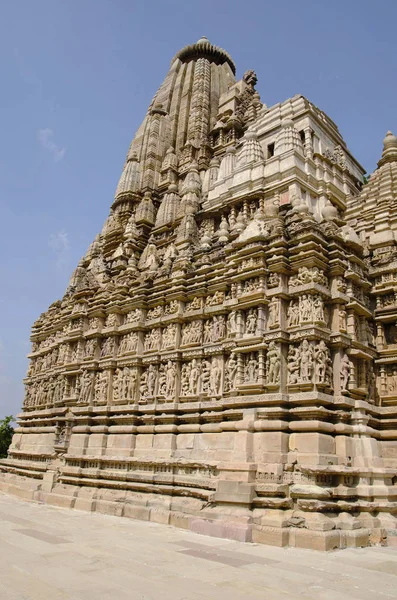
{"x":233,"y":523}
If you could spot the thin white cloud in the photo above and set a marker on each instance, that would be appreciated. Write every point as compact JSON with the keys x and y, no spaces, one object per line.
{"x":59,"y":242}
{"x":46,"y":139}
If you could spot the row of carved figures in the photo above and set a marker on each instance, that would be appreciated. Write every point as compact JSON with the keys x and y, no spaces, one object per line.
{"x":306,"y":309}
{"x":307,"y":363}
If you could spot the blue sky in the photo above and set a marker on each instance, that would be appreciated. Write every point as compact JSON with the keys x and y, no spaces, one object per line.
{"x":77,"y":77}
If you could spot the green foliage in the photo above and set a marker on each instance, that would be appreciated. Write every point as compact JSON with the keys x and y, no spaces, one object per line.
{"x":6,"y":433}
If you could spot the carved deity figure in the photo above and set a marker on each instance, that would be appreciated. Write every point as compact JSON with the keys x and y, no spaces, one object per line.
{"x":273,"y":313}
{"x":345,"y":369}
{"x":194,"y":375}
{"x":152,"y":340}
{"x":322,"y":358}
{"x":205,"y":376}
{"x":273,"y":364}
{"x":232,"y":323}
{"x":306,"y":308}
{"x":185,"y":377}
{"x":117,"y":384}
{"x":342,"y":319}
{"x":162,"y":381}
{"x":231,"y":373}
{"x":130,"y":378}
{"x":251,"y":369}
{"x":111,"y":320}
{"x":207,"y":336}
{"x":133,"y":316}
{"x":273,"y":280}
{"x":318,"y":309}
{"x":170,"y":379}
{"x":101,"y":387}
{"x":169,"y":336}
{"x":251,"y":322}
{"x":85,"y":387}
{"x":293,"y":314}
{"x":107,"y":347}
{"x":306,"y":362}
{"x":215,"y":378}
{"x":151,"y":380}
{"x":293,"y":364}
{"x":194,"y":304}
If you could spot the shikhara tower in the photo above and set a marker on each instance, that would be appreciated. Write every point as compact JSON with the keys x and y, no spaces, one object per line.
{"x":225,"y":356}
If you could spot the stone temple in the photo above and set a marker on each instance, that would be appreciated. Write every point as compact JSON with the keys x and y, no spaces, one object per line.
{"x":224,"y":358}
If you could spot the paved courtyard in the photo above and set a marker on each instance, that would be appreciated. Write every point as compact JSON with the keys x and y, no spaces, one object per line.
{"x":54,"y":554}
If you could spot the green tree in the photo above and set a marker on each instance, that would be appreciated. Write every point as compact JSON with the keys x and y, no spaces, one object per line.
{"x":6,"y":433}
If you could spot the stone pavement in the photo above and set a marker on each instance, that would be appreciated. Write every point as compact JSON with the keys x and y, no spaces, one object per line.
{"x":50,"y":553}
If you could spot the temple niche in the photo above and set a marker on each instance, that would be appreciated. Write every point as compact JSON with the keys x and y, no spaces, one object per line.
{"x":224,"y":358}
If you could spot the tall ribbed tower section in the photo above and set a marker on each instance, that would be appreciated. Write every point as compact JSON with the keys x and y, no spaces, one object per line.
{"x":224,"y":358}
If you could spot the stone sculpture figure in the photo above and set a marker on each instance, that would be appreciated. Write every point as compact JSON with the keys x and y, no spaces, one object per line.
{"x":273,"y":280}
{"x":345,"y":372}
{"x":293,"y":314}
{"x":293,"y":364}
{"x":318,"y":309}
{"x":306,"y":308}
{"x":251,"y":322}
{"x":205,"y":374}
{"x":117,"y":384}
{"x":232,"y":323}
{"x":162,"y":381}
{"x":151,"y":380}
{"x":101,"y":387}
{"x":169,"y":336}
{"x":185,"y":378}
{"x":231,"y":373}
{"x":321,"y":357}
{"x":85,"y":388}
{"x":107,"y":347}
{"x":208,"y":332}
{"x":342,"y":319}
{"x":133,"y":316}
{"x":215,"y":378}
{"x":273,"y":319}
{"x":251,"y":369}
{"x":273,"y":364}
{"x":194,"y":376}
{"x":130,"y":378}
{"x":306,"y":362}
{"x":170,"y":379}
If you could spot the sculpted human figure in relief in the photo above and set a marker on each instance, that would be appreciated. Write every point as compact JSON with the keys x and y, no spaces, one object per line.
{"x":231,"y":373}
{"x":251,"y":322}
{"x":251,"y":369}
{"x":215,"y":378}
{"x":321,"y":357}
{"x":273,"y":312}
{"x":170,"y":379}
{"x":345,"y":372}
{"x":85,"y":389}
{"x":185,"y":376}
{"x":293,"y":364}
{"x":205,"y":376}
{"x":232,"y":323}
{"x":306,"y":362}
{"x":151,"y":380}
{"x":194,"y":375}
{"x":273,"y":364}
{"x":293,"y":314}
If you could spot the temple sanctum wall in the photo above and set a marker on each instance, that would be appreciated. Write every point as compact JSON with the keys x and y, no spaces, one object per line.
{"x":224,"y":358}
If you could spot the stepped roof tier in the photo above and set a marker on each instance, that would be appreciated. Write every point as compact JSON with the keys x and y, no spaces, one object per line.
{"x":225,"y":355}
